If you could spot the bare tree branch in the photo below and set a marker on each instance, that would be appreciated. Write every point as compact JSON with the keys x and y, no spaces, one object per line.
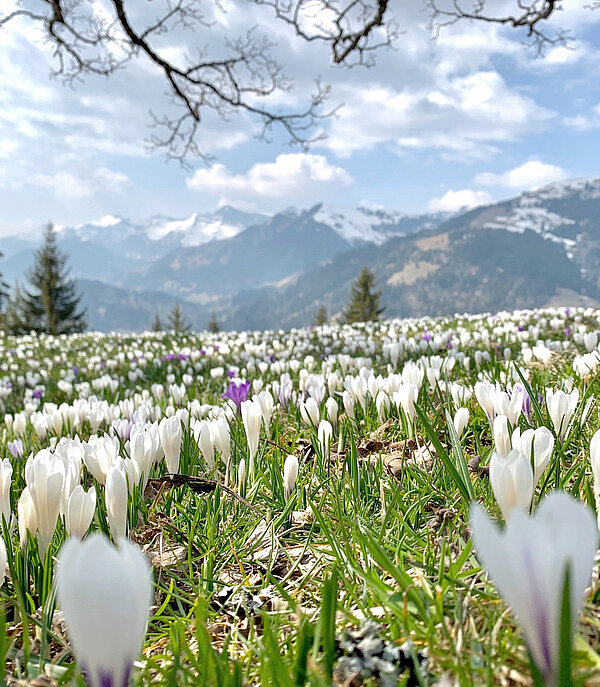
{"x":87,"y":42}
{"x":530,"y":16}
{"x":353,"y":28}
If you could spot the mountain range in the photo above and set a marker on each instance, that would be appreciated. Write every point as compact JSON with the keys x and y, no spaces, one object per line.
{"x":273,"y":271}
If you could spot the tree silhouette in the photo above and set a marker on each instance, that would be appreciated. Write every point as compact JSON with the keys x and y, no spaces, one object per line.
{"x":213,"y":323}
{"x":363,"y":305}
{"x":177,"y":321}
{"x":321,"y":316}
{"x":51,"y":303}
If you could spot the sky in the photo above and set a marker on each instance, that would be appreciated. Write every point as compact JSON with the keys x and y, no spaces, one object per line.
{"x":435,"y":125}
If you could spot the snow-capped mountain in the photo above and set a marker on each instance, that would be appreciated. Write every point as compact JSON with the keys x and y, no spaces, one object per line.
{"x":540,"y":247}
{"x":375,"y":225}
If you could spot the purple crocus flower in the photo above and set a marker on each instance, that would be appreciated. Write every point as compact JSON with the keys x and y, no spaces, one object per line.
{"x":122,"y":428}
{"x":526,"y":407}
{"x":230,"y":374}
{"x":237,"y":393}
{"x":37,"y":394}
{"x":15,"y":448}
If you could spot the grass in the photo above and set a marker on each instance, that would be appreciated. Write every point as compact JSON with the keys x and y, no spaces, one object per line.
{"x":265,"y":592}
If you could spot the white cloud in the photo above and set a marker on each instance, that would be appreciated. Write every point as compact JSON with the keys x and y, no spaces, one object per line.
{"x":453,"y":201}
{"x":584,"y":122}
{"x":463,"y":115}
{"x":68,"y":186}
{"x":291,"y":175}
{"x":530,"y":175}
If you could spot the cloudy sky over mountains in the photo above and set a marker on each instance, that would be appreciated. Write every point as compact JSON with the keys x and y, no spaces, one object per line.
{"x":439,"y":125}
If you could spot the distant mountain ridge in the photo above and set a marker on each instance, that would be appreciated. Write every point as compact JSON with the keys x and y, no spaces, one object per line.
{"x":261,"y":271}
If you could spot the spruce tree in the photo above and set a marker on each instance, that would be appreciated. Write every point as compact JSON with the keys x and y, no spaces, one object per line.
{"x":15,"y":317}
{"x":321,"y":316}
{"x":363,"y":305}
{"x":157,"y":324}
{"x":51,"y":304}
{"x":177,"y":321}
{"x":213,"y":323}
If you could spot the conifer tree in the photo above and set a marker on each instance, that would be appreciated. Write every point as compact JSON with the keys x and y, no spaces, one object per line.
{"x":15,"y":317}
{"x":177,"y":321}
{"x":321,"y":316}
{"x":213,"y":323}
{"x":51,"y":303}
{"x":363,"y":305}
{"x":157,"y":324}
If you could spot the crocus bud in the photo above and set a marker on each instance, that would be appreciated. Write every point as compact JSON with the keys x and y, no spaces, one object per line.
{"x":382,"y":403}
{"x":45,"y":477}
{"x":5,"y":482}
{"x":142,"y":450}
{"x":222,"y":439}
{"x":561,"y":408}
{"x":80,"y":511}
{"x":20,"y":424}
{"x":461,"y":420}
{"x":205,"y":442}
{"x":105,"y":593}
{"x":324,"y":434}
{"x":252,"y":417}
{"x":528,"y":561}
{"x":265,"y":398}
{"x":331,"y":408}
{"x":348,"y":402}
{"x":511,"y":478}
{"x":290,"y":473}
{"x":242,"y":474}
{"x":485,"y":395}
{"x":501,"y":435}
{"x":170,"y":438}
{"x":309,"y":411}
{"x":26,"y":516}
{"x":116,"y":497}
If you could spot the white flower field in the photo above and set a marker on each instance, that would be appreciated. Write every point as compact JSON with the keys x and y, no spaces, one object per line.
{"x":405,"y":502}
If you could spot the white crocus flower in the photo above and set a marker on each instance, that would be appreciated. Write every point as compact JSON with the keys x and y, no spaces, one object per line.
{"x":501,"y":435}
{"x":80,"y":511}
{"x":252,"y":418}
{"x":116,"y":496}
{"x":511,"y":477}
{"x":561,"y":408}
{"x":528,"y":561}
{"x":537,"y":444}
{"x":105,"y":593}
{"x":461,"y":420}
{"x":171,"y":436}
{"x":290,"y":473}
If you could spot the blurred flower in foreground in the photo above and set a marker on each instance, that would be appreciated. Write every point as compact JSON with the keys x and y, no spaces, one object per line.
{"x":528,"y":563}
{"x":105,"y":594}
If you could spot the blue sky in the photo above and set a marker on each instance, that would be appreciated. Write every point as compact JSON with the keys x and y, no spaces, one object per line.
{"x":468,"y":119}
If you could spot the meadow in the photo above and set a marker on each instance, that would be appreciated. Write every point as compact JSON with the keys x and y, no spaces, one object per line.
{"x":302,"y":501}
